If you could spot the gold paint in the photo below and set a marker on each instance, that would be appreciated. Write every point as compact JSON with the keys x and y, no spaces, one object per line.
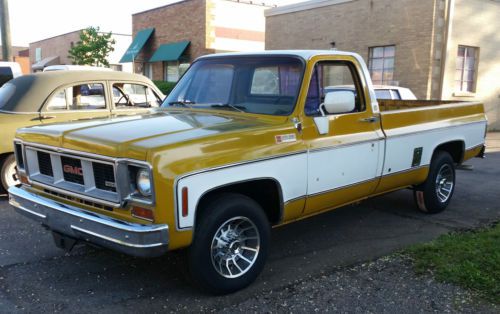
{"x":471,"y":153}
{"x":402,"y":179}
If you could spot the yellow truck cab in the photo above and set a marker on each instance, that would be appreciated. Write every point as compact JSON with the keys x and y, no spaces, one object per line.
{"x":244,"y":142}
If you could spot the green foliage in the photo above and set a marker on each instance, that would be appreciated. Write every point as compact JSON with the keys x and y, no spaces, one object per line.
{"x":165,"y":87}
{"x":92,"y":48}
{"x":470,"y":259}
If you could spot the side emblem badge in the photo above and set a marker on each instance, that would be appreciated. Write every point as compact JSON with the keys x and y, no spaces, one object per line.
{"x":285,"y":138}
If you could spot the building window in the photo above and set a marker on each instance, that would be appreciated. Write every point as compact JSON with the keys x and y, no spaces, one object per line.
{"x":116,"y":67}
{"x":381,"y":64}
{"x":147,"y":69}
{"x":465,"y":76}
{"x":174,"y":70}
{"x":38,"y":54}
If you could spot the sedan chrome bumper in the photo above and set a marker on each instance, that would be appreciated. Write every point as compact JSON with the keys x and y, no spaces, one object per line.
{"x":129,"y":238}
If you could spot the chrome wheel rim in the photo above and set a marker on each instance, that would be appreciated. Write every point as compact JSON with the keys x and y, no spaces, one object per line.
{"x":10,"y":175}
{"x":235,"y":247}
{"x":444,"y":183}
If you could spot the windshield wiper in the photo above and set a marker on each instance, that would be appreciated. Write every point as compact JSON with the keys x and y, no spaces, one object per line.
{"x":229,"y":106}
{"x":183,"y":103}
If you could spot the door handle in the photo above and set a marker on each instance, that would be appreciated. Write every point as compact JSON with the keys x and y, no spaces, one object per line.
{"x":47,"y":117}
{"x":370,"y":119}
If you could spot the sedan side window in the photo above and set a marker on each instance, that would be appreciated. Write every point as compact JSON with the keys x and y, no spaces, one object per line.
{"x":57,"y":102}
{"x":78,"y":97}
{"x":134,"y":95}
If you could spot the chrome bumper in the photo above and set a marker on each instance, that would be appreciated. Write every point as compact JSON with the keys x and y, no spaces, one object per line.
{"x":129,"y":238}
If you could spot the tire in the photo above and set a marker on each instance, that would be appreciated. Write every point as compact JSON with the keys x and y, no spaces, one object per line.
{"x":220,"y":260}
{"x":8,"y":171}
{"x":434,"y":195}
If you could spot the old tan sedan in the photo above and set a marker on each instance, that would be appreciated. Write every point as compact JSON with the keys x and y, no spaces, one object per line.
{"x":65,"y":96}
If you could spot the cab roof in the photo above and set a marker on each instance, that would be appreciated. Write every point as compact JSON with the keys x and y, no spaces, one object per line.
{"x":304,"y":54}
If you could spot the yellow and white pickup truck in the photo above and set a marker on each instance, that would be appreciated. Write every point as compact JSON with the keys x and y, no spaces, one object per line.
{"x":243,"y":143}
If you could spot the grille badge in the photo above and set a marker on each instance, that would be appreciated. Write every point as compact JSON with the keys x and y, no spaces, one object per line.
{"x":110,"y":184}
{"x":73,"y":170}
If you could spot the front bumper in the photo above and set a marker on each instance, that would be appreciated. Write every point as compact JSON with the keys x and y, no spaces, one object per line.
{"x":129,"y":238}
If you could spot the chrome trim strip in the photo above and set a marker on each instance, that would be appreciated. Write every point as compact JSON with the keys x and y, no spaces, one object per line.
{"x":326,"y":148}
{"x":427,"y":130}
{"x":343,"y":187}
{"x":293,"y":200}
{"x":139,"y":246}
{"x":19,"y":206}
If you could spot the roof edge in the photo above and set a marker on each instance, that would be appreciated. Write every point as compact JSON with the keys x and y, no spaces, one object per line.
{"x":303,"y":6}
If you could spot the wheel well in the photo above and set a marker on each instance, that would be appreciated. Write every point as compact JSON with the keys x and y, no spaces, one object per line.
{"x":266,"y":192}
{"x":456,"y":149}
{"x":3,"y":156}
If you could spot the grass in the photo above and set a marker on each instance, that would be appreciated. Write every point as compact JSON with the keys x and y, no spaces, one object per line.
{"x":470,"y":259}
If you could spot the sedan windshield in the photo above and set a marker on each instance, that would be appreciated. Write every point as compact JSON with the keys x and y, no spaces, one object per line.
{"x":263,"y":85}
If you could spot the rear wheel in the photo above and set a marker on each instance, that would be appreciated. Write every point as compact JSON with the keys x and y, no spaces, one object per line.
{"x":8,"y":172}
{"x":434,"y":195}
{"x":230,"y":244}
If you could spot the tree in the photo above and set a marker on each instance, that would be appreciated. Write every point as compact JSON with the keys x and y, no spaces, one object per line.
{"x":92,"y":48}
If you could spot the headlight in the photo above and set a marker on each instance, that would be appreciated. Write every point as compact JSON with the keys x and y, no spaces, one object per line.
{"x":143,"y":182}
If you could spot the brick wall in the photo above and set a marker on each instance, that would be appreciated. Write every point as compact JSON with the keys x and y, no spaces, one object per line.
{"x":55,"y":46}
{"x":181,"y":21}
{"x":357,"y":25}
{"x":476,"y":23}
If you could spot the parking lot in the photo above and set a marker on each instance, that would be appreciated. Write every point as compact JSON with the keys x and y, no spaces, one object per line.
{"x":37,"y":276}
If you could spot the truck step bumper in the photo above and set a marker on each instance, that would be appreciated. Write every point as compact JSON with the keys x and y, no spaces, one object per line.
{"x":129,"y":238}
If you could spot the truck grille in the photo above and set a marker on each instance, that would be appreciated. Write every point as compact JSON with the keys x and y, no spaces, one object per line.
{"x":44,"y":164}
{"x":104,"y":176}
{"x":94,"y":178}
{"x":72,"y":169}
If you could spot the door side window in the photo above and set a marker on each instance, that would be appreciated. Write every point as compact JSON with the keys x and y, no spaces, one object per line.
{"x":127,"y":95}
{"x":78,"y":97}
{"x":333,"y":77}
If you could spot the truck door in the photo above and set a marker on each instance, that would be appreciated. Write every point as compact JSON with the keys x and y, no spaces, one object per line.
{"x":343,"y":135}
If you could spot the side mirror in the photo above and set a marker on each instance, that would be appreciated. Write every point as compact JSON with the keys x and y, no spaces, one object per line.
{"x":339,"y":102}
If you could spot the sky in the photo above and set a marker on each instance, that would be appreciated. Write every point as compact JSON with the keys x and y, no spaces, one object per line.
{"x":33,"y":20}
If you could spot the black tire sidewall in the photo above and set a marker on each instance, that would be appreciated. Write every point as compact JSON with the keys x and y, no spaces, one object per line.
{"x":216,"y":212}
{"x":430,"y":200}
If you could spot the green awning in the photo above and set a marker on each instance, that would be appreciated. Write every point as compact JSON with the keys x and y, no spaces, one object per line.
{"x":136,"y":45}
{"x":169,"y":52}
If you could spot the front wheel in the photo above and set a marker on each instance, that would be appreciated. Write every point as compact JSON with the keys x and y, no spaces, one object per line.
{"x":8,"y":172}
{"x":230,"y":244}
{"x":434,"y":195}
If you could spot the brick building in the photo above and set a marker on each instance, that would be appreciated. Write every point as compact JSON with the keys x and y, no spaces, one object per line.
{"x":441,"y":49}
{"x":167,"y":39}
{"x":54,"y":50}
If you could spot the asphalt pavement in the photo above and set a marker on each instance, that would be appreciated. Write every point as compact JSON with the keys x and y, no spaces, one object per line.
{"x":324,"y":250}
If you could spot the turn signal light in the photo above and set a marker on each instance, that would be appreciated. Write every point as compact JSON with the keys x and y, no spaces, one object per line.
{"x":185,"y":207}
{"x":23,"y":179}
{"x":143,"y":213}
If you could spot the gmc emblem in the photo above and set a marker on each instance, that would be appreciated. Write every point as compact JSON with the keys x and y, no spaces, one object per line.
{"x":72,"y":170}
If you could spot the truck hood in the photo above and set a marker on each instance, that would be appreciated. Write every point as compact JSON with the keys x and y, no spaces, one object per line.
{"x":132,"y":136}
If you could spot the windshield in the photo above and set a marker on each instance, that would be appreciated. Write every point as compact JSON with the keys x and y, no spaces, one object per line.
{"x":263,"y":85}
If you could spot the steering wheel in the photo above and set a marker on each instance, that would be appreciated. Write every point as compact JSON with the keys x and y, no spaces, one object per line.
{"x":127,"y":98}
